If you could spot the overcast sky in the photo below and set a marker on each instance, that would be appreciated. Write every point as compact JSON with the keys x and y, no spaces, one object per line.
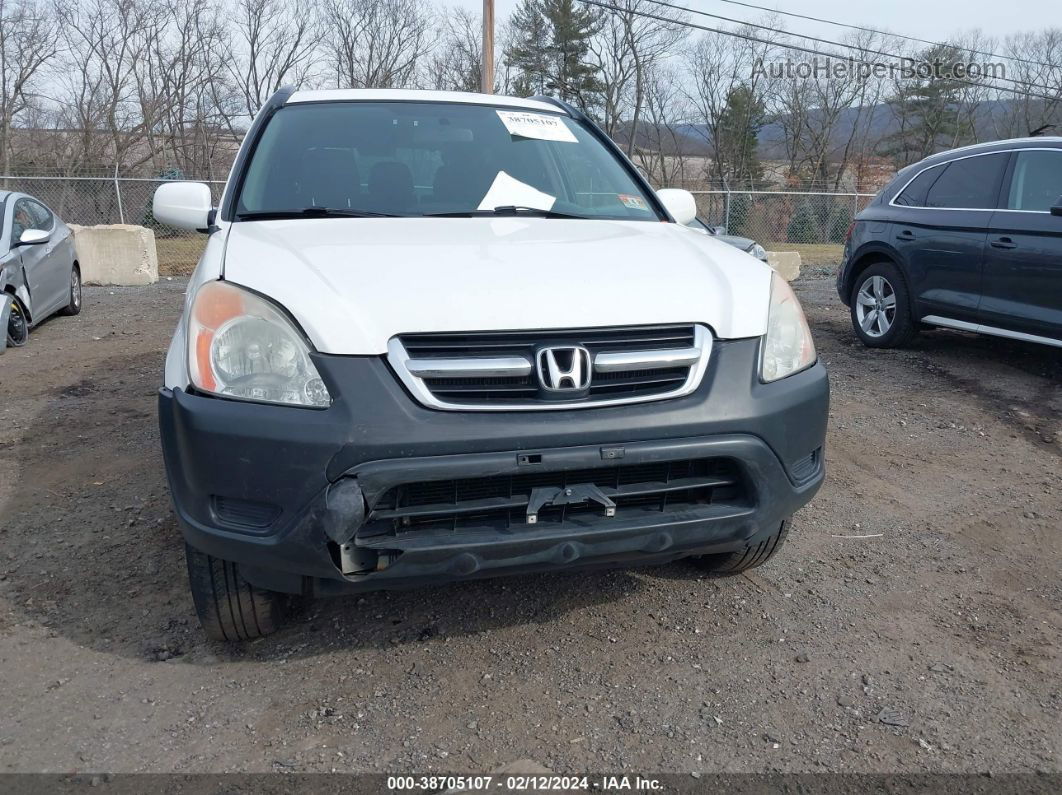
{"x":926,"y":19}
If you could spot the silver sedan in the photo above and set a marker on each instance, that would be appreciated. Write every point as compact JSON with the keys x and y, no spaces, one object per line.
{"x":39,"y":272}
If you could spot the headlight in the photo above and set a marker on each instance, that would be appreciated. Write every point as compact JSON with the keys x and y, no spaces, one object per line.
{"x":758,"y":251}
{"x":787,"y":346}
{"x":242,"y":346}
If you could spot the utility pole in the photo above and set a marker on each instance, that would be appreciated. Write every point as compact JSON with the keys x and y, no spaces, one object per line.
{"x":486,"y":69}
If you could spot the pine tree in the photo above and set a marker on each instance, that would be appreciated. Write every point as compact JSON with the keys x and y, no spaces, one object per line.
{"x":736,"y":139}
{"x":840,"y":220}
{"x":527,"y":53}
{"x":572,"y":26}
{"x":550,"y":49}
{"x":928,"y":111}
{"x":803,"y":226}
{"x":739,"y":220}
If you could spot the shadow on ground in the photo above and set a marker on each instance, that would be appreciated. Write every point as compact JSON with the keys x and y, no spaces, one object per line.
{"x":95,"y":553}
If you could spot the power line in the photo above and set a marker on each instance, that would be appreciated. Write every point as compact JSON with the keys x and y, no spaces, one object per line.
{"x":881,"y":32}
{"x":798,"y":48}
{"x":833,"y":43}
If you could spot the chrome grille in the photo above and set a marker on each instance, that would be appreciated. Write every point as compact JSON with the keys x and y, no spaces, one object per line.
{"x":496,"y":371}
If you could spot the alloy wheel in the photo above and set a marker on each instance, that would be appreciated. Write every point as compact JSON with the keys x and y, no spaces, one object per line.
{"x":876,"y":306}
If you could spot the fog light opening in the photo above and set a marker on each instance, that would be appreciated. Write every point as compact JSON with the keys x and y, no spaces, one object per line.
{"x":344,"y":510}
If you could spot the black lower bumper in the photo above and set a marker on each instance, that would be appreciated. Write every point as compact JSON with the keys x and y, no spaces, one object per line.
{"x":285,"y":462}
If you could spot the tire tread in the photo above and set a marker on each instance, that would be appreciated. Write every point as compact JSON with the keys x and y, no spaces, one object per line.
{"x":749,"y":557}
{"x":229,"y":607}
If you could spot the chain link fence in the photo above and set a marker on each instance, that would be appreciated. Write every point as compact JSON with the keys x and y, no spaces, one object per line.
{"x":88,"y":201}
{"x":813,"y":223}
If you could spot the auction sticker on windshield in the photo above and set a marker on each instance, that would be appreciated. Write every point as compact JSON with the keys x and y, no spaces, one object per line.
{"x":632,"y":202}
{"x":536,"y":125}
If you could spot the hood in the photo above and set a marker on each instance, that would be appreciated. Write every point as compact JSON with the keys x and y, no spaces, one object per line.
{"x":353,"y":283}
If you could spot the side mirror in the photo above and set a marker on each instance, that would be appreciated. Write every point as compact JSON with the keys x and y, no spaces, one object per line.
{"x":184,"y":205}
{"x":1057,"y":208}
{"x":680,"y":204}
{"x":33,"y":237}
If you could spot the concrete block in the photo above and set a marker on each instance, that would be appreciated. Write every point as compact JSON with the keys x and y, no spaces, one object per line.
{"x":787,"y":263}
{"x":116,"y":254}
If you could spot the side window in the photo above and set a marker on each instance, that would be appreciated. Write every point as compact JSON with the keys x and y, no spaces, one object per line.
{"x":914,"y":195}
{"x":42,"y":216}
{"x":969,"y":184}
{"x":1037,"y":181}
{"x":22,"y":220}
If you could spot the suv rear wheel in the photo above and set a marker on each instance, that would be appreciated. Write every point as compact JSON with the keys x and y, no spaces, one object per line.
{"x":229,"y":607}
{"x":881,"y":307}
{"x":748,"y":557}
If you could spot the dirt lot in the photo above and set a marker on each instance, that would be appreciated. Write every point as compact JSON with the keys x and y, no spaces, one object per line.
{"x":912,"y":623}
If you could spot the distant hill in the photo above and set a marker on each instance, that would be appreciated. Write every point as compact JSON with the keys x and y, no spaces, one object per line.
{"x":882,"y":123}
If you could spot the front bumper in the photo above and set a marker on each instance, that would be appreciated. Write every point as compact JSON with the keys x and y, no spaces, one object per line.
{"x":291,"y":458}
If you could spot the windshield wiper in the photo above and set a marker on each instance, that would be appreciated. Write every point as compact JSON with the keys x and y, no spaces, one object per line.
{"x":506,"y":210}
{"x":312,"y":212}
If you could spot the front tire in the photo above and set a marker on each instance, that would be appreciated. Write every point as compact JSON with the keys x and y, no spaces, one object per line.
{"x":881,"y":307}
{"x":73,"y":306}
{"x":17,"y":326}
{"x":748,"y":557}
{"x":229,"y":607}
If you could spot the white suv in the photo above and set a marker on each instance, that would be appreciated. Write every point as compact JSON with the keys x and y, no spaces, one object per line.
{"x":438,"y":336}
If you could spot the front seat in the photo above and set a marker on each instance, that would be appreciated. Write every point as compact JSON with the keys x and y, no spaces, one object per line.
{"x":391,"y":188}
{"x":329,"y":178}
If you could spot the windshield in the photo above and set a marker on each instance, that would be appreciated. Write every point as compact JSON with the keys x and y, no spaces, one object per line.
{"x":414,"y":159}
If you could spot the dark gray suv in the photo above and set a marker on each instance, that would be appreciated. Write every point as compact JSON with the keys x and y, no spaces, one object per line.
{"x":968,"y":239}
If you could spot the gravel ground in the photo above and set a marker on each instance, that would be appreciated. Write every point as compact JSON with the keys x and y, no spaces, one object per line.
{"x":911,"y":624}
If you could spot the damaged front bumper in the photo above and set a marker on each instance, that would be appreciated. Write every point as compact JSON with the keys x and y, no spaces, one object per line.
{"x":378,"y":492}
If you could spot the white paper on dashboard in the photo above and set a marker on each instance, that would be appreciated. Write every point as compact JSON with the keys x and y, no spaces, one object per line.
{"x":536,"y":125}
{"x":506,"y":191}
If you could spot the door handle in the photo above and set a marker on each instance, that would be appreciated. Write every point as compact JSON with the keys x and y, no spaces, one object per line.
{"x":1003,"y":242}
{"x":906,"y":234}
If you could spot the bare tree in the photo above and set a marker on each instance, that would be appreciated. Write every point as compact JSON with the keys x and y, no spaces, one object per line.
{"x":664,"y":152}
{"x":28,"y":41}
{"x":106,"y":79}
{"x":275,"y":41}
{"x":188,"y":58}
{"x":626,"y":48}
{"x":722,"y":68}
{"x":458,"y":61}
{"x":1035,"y":59}
{"x":376,"y":43}
{"x":163,"y":84}
{"x":822,"y":113}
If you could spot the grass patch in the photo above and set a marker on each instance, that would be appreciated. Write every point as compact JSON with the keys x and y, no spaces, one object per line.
{"x":178,"y":256}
